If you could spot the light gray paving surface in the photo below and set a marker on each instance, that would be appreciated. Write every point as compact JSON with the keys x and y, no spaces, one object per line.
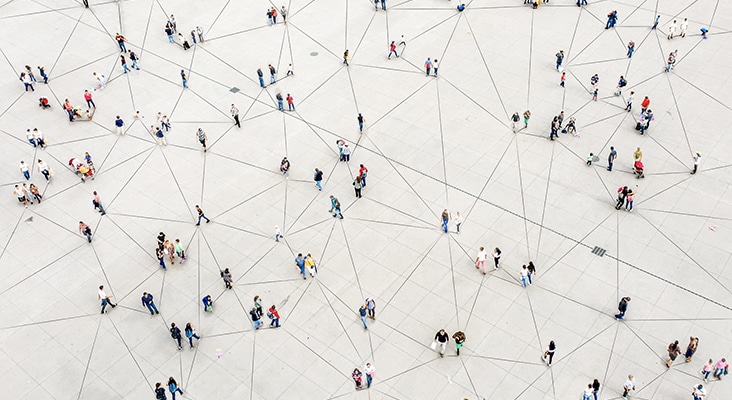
{"x":429,"y":144}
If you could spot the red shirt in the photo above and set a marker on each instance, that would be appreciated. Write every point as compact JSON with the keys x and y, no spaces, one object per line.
{"x":87,"y":96}
{"x":275,"y":313}
{"x":362,"y":170}
{"x":646,"y":102}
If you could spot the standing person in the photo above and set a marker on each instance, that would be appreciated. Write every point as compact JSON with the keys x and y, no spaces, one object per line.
{"x":562,"y":79}
{"x":160,"y":392}
{"x":691,"y":348}
{"x":527,"y":116}
{"x":147,"y":302}
{"x":622,"y":194}
{"x":169,"y":31}
{"x":272,"y":74}
{"x":201,"y":215}
{"x":300,"y":263}
{"x":165,"y":122}
{"x":26,"y":82}
{"x":363,"y":172}
{"x":631,"y":48}
{"x":560,"y":59}
{"x":524,"y":275}
{"x":175,"y":334}
{"x":699,"y":392}
{"x":235,"y":115}
{"x":644,"y":104}
{"x":24,"y":170}
{"x":283,"y":13}
{"x":549,"y":353}
{"x":629,"y":199}
{"x":160,"y":254}
{"x":697,"y":159}
{"x":190,"y":334}
{"x":594,"y":94}
{"x":44,"y":169}
{"x":611,"y":158}
{"x":496,"y":257}
{"x":123,"y":63}
{"x":383,"y":5}
{"x":226,"y":276}
{"x":84,"y":229}
{"x":361,"y":120}
{"x":184,"y":79}
{"x":119,"y":125}
{"x":207,"y":303}
{"x":445,"y":219}
{"x":515,"y":118}
{"x":169,"y":250}
{"x":671,"y":30}
{"x":290,"y":102}
{"x":274,"y":316}
{"x":104,"y":298}
{"x":173,"y":386}
{"x":435,"y":66}
{"x":684,"y":27}
{"x":531,"y":269}
{"x":258,"y":305}
{"x":554,"y":129}
{"x":278,"y":233}
{"x":42,"y":72}
{"x":629,"y":101}
{"x":721,"y":368}
{"x":318,"y":178}
{"x":480,"y":260}
{"x":69,"y":110}
{"x":441,"y":339}
{"x":33,"y":189}
{"x":346,"y":153}
{"x":362,"y":313}
{"x":260,"y":75}
{"x":428,"y":66}
{"x":289,"y":69}
{"x":97,"y":202}
{"x":256,"y":318}
{"x":20,"y":194}
{"x":622,"y":308}
{"x":199,"y":32}
{"x":369,"y":369}
{"x":346,"y":57}
{"x":392,"y":49}
{"x":31,"y":138}
{"x":595,"y":388}
{"x":357,"y":186}
{"x":280,"y":105}
{"x":628,"y":386}
{"x":89,"y":100}
{"x":161,"y":137}
{"x":121,"y":42}
{"x":335,"y":205}
{"x":180,"y":251}
{"x":459,"y":338}
{"x":356,"y":375}
{"x":274,"y":15}
{"x":202,"y":138}
{"x":40,"y":138}
{"x":458,"y":221}
{"x":371,"y":307}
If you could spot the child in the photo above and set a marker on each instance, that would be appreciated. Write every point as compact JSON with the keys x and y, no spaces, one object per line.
{"x":590,"y":158}
{"x":561,"y":81}
{"x":594,"y":94}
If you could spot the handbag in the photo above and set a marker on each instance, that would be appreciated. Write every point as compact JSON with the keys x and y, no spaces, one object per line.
{"x":433,"y":346}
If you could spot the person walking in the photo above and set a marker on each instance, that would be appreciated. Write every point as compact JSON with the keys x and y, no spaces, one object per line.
{"x":84,"y":229}
{"x":441,"y":339}
{"x":201,"y":215}
{"x":335,"y":205}
{"x":199,"y":32}
{"x":480,"y":260}
{"x":524,"y":275}
{"x":629,"y":101}
{"x":691,"y":348}
{"x":707,"y":369}
{"x":595,"y":388}
{"x":256,"y":318}
{"x":119,"y":125}
{"x":235,"y":114}
{"x":226,"y":276}
{"x":278,"y":233}
{"x":515,"y":118}
{"x":175,"y":334}
{"x":392,"y":49}
{"x":160,"y":392}
{"x":207,"y":303}
{"x":371,"y":307}
{"x":89,"y":100}
{"x":362,"y":173}
{"x":644,"y":104}
{"x":628,"y":385}
{"x":123,"y":63}
{"x":179,"y":251}
{"x":160,"y":254}
{"x":105,"y":299}
{"x":35,"y":192}
{"x":161,"y":137}
{"x":362,"y":313}
{"x":20,"y":194}
{"x":697,"y":159}
{"x":671,"y":30}
{"x":44,"y":169}
{"x":622,"y":308}
{"x":346,"y":57}
{"x":300,"y":263}
{"x":280,"y":99}
{"x":173,"y":387}
{"x":30,"y":137}
{"x":147,"y":302}
{"x":459,"y":338}
{"x":285,"y":166}
{"x":361,"y":120}
{"x":121,"y":42}
{"x":549,"y":353}
{"x":202,"y":138}
{"x":496,"y":257}
{"x":527,"y":116}
{"x":310,"y":265}
{"x":428,"y":66}
{"x":458,"y":221}
{"x":272,"y":74}
{"x":369,"y":369}
{"x":684,"y":27}
{"x":721,"y":368}
{"x":134,"y":59}
{"x":274,"y":317}
{"x":698,"y":392}
{"x":318,"y":178}
{"x":356,"y":375}
{"x":560,"y":59}
{"x":69,"y":110}
{"x":445,"y":219}
{"x":531,"y":270}
{"x":562,"y":79}
{"x":184,"y":79}
{"x":357,"y":186}
{"x":611,"y":158}
{"x":622,"y":194}
{"x":290,"y":102}
{"x":258,"y":305}
{"x":24,"y":170}
{"x":190,"y":332}
{"x":655,"y":22}
{"x":631,"y":48}
{"x":42,"y":72}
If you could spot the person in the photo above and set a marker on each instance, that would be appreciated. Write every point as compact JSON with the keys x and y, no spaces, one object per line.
{"x":673,"y":352}
{"x":42,"y":72}
{"x":514,"y":121}
{"x":496,"y":257}
{"x":85,"y":230}
{"x":256,"y":318}
{"x":562,"y":79}
{"x":671,"y":30}
{"x":363,"y":172}
{"x":611,"y":158}
{"x":532,"y":270}
{"x":480,"y":260}
{"x":318,"y":178}
{"x":260,"y":75}
{"x":362,"y":313}
{"x":461,"y":7}
{"x":361,"y":120}
{"x":560,"y":59}
{"x":199,"y":32}
{"x":356,"y":375}
{"x":310,"y":265}
{"x":590,"y":158}
{"x":173,"y":387}
{"x":428,"y":66}
{"x":201,"y":215}
{"x":357,"y":186}
{"x":147,"y":301}
{"x":226,"y":276}
{"x":160,"y":391}
{"x":346,"y":153}
{"x":235,"y":114}
{"x":524,"y":275}
{"x":527,"y":116}
{"x":335,"y":205}
{"x":104,"y":298}
{"x":631,"y":48}
{"x":202,"y":138}
{"x":655,"y":22}
{"x":290,"y":102}
{"x":97,"y":202}
{"x":272,"y":71}
{"x":595,"y":388}
{"x":629,"y":101}
{"x":441,"y":339}
{"x":25,"y":170}
{"x":371,"y":307}
{"x":630,"y":197}
{"x":699,"y":392}
{"x":258,"y":305}
{"x":207,"y":303}
{"x":34,"y":192}
{"x":180,"y":251}
{"x":190,"y":334}
{"x":459,"y":338}
{"x":704,"y":32}
{"x":622,"y":308}
{"x":458,"y":221}
{"x":160,"y":254}
{"x":628,"y":386}
{"x":18,"y":192}
{"x":445,"y":219}
{"x":697,"y":159}
{"x":587,"y":394}
{"x":280,"y":104}
{"x":549,"y":353}
{"x":345,"y":57}
{"x":369,"y":370}
{"x":175,"y":334}
{"x":184,"y":78}
{"x":278,"y":233}
{"x":721,"y":368}
{"x":300,"y":263}
{"x":274,"y":316}
{"x":285,"y":166}
{"x":392,"y":49}
{"x":691,"y":348}
{"x":644,"y":104}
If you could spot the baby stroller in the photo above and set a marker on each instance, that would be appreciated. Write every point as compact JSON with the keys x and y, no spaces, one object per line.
{"x":638,"y":169}
{"x":43,"y":102}
{"x":570,"y":127}
{"x":80,"y":169}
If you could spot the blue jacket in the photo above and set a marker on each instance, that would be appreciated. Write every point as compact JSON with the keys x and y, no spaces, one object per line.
{"x":147,"y":300}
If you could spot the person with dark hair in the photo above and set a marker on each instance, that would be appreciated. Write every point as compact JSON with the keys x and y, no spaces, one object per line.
{"x":549,"y":353}
{"x":173,"y":387}
{"x":622,"y":307}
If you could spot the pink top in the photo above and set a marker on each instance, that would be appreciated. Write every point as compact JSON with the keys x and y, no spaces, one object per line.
{"x":87,"y":96}
{"x":96,"y":198}
{"x":708,"y":367}
{"x":721,"y":364}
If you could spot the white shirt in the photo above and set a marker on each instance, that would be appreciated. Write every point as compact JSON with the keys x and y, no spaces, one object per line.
{"x":629,"y":384}
{"x":29,"y":135}
{"x":672,"y":28}
{"x":369,"y":370}
{"x":496,"y":255}
{"x":24,"y":167}
{"x":42,"y":166}
{"x":346,"y":150}
{"x":18,"y":192}
{"x":524,"y":272}
{"x":459,"y":219}
{"x":697,"y":159}
{"x":38,"y":134}
{"x":684,"y":26}
{"x":102,"y":295}
{"x":482,"y":255}
{"x":700,"y":392}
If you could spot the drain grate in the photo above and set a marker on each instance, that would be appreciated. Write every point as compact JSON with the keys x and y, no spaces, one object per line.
{"x":598,"y":251}
{"x":234,"y":90}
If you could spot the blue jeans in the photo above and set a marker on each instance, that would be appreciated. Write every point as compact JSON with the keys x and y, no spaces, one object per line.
{"x":280,"y":106}
{"x":389,"y":56}
{"x":363,"y":320}
{"x":610,"y":163}
{"x":185,"y":83}
{"x":706,"y":374}
{"x":26,"y":174}
{"x":558,"y":65}
{"x":523,"y":280}
{"x":319,"y":185}
{"x":125,"y":68}
{"x":122,"y":47}
{"x":444,"y":225}
{"x":530,"y":273}
{"x":291,"y":106}
{"x":630,"y":53}
{"x":360,"y":126}
{"x":172,"y":393}
{"x":620,"y":315}
{"x":302,"y":271}
{"x":272,"y":79}
{"x":275,"y":322}
{"x":435,"y":71}
{"x":204,"y":217}
{"x":190,"y":340}
{"x":261,"y":81}
{"x":368,"y":380}
{"x":151,"y":307}
{"x":171,"y":39}
{"x":32,"y":141}
{"x":135,"y":65}
{"x":162,"y":263}
{"x":257,"y":324}
{"x":166,"y":126}
{"x":383,"y":4}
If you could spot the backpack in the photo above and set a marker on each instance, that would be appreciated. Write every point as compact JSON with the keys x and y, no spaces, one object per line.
{"x":270,"y":315}
{"x":174,"y":334}
{"x":623,"y":83}
{"x":159,"y":393}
